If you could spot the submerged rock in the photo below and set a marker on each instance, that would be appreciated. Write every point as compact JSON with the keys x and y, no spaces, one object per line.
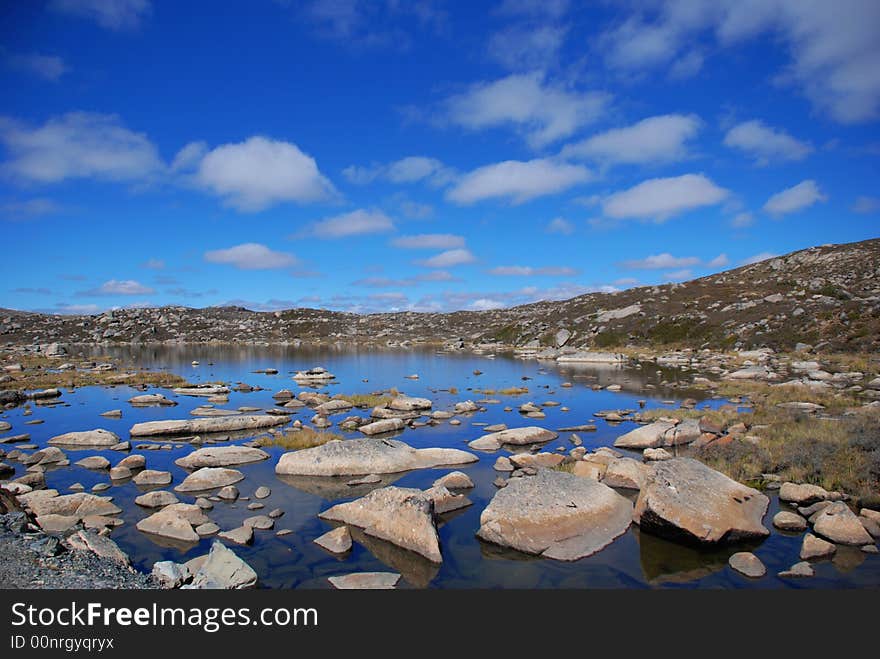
{"x":367,"y":456}
{"x":685,"y":500}
{"x":556,"y":515}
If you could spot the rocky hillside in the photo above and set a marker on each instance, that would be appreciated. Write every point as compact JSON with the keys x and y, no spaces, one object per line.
{"x":827,"y":297}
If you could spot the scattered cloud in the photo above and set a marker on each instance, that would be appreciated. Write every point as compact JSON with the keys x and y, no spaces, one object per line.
{"x":372,"y":23}
{"x":719,"y":261}
{"x":260,"y":172}
{"x":660,"y":199}
{"x":406,"y":170}
{"x":793,"y":199}
{"x":679,"y":275}
{"x":757,"y":258}
{"x":542,"y":112}
{"x":449,"y":259}
{"x":519,"y":181}
{"x":153,"y":264}
{"x":742,"y":220}
{"x":48,"y":67}
{"x":766,"y":144}
{"x":118,"y":287}
{"x":561,"y":226}
{"x":660,"y":261}
{"x":189,"y":156}
{"x":655,"y":139}
{"x":77,"y":145}
{"x":429,"y":241}
{"x":527,"y":47}
{"x":866,"y":205}
{"x":485,"y":304}
{"x":386,"y":282}
{"x":27,"y":290}
{"x":529,"y":271}
{"x":356,"y":223}
{"x":251,"y":256}
{"x":27,"y":210}
{"x":111,"y":14}
{"x":77,"y":309}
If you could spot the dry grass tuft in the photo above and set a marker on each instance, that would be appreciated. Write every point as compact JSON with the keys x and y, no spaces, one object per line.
{"x":295,"y":440}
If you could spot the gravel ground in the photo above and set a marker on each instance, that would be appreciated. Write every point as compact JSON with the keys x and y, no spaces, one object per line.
{"x":37,"y":560}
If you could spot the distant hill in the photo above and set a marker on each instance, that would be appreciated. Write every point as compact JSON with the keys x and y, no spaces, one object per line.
{"x":826,"y":296}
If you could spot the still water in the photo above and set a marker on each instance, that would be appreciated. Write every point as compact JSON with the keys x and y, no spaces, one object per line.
{"x":634,"y":560}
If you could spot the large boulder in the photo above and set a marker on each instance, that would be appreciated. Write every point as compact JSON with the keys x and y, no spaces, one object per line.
{"x":802,"y":494}
{"x":146,"y":400}
{"x":652,"y":435}
{"x":169,"y":523}
{"x":77,"y":505}
{"x":625,"y":473}
{"x":685,"y":500}
{"x":86,"y":439}
{"x":221,"y":456}
{"x":556,"y":515}
{"x":385,"y":425}
{"x":839,"y":524}
{"x":207,"y":425}
{"x":224,"y":570}
{"x":202,"y":390}
{"x":409,"y":404}
{"x":367,"y":456}
{"x":513,"y":436}
{"x":402,"y":516}
{"x":209,"y":478}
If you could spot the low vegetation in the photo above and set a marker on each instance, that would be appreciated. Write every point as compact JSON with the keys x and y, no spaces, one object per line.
{"x":368,"y":400}
{"x":305,"y":437}
{"x":40,"y":372}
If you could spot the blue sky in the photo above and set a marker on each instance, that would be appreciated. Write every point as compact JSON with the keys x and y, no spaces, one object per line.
{"x":390,"y":155}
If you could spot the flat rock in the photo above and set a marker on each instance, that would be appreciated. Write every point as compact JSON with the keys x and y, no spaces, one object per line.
{"x":365,"y":581}
{"x":802,"y":569}
{"x":455,"y":480}
{"x":402,"y":516}
{"x":208,"y":478}
{"x":814,"y":547}
{"x":86,"y":439}
{"x":367,"y":456}
{"x":513,"y":436}
{"x":168,"y":523}
{"x":684,"y":499}
{"x":262,"y":492}
{"x":243,"y":535}
{"x":79,"y":504}
{"x":802,"y":494}
{"x":789,"y":521}
{"x":383,"y":426}
{"x":649,"y":436}
{"x":625,"y":473}
{"x":151,"y":477}
{"x":207,"y":425}
{"x":221,"y":456}
{"x":748,"y":564}
{"x":94,"y":462}
{"x":445,"y":501}
{"x":337,"y":541}
{"x":259,"y":522}
{"x":841,"y":525}
{"x":144,"y":400}
{"x":156,"y":499}
{"x":223,"y":569}
{"x":556,"y":515}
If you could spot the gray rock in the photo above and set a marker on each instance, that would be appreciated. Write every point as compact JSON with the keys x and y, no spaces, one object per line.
{"x":814,"y":547}
{"x":224,"y":570}
{"x":513,"y":436}
{"x":221,"y":456}
{"x":365,"y":581}
{"x":86,"y":439}
{"x":208,"y":478}
{"x":789,"y":521}
{"x":207,"y":425}
{"x":748,"y":564}
{"x":840,"y":525}
{"x":337,"y":541}
{"x":556,"y":515}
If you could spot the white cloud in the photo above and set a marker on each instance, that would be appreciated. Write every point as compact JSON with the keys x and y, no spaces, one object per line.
{"x":757,"y":258}
{"x":77,"y":145}
{"x":251,"y":256}
{"x":154,"y":264}
{"x":796,"y":198}
{"x":719,"y":261}
{"x":412,"y":168}
{"x":49,"y":67}
{"x":866,"y":205}
{"x":529,"y":271}
{"x":30,"y":208}
{"x":415,"y":210}
{"x":449,"y":259}
{"x":742,"y":220}
{"x":406,"y":170}
{"x":356,"y":223}
{"x":766,"y":144}
{"x":660,"y":261}
{"x":527,"y":47}
{"x":655,"y":139}
{"x":77,"y":309}
{"x":833,"y":47}
{"x":111,"y":14}
{"x":118,"y":287}
{"x":678,"y":275}
{"x":687,"y":66}
{"x":189,"y":156}
{"x":261,"y":172}
{"x":517,"y":180}
{"x":485,"y":304}
{"x":561,"y":226}
{"x":429,"y":241}
{"x":662,"y":198}
{"x":543,"y":112}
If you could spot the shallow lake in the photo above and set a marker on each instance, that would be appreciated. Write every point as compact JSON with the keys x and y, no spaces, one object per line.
{"x":634,"y":560}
